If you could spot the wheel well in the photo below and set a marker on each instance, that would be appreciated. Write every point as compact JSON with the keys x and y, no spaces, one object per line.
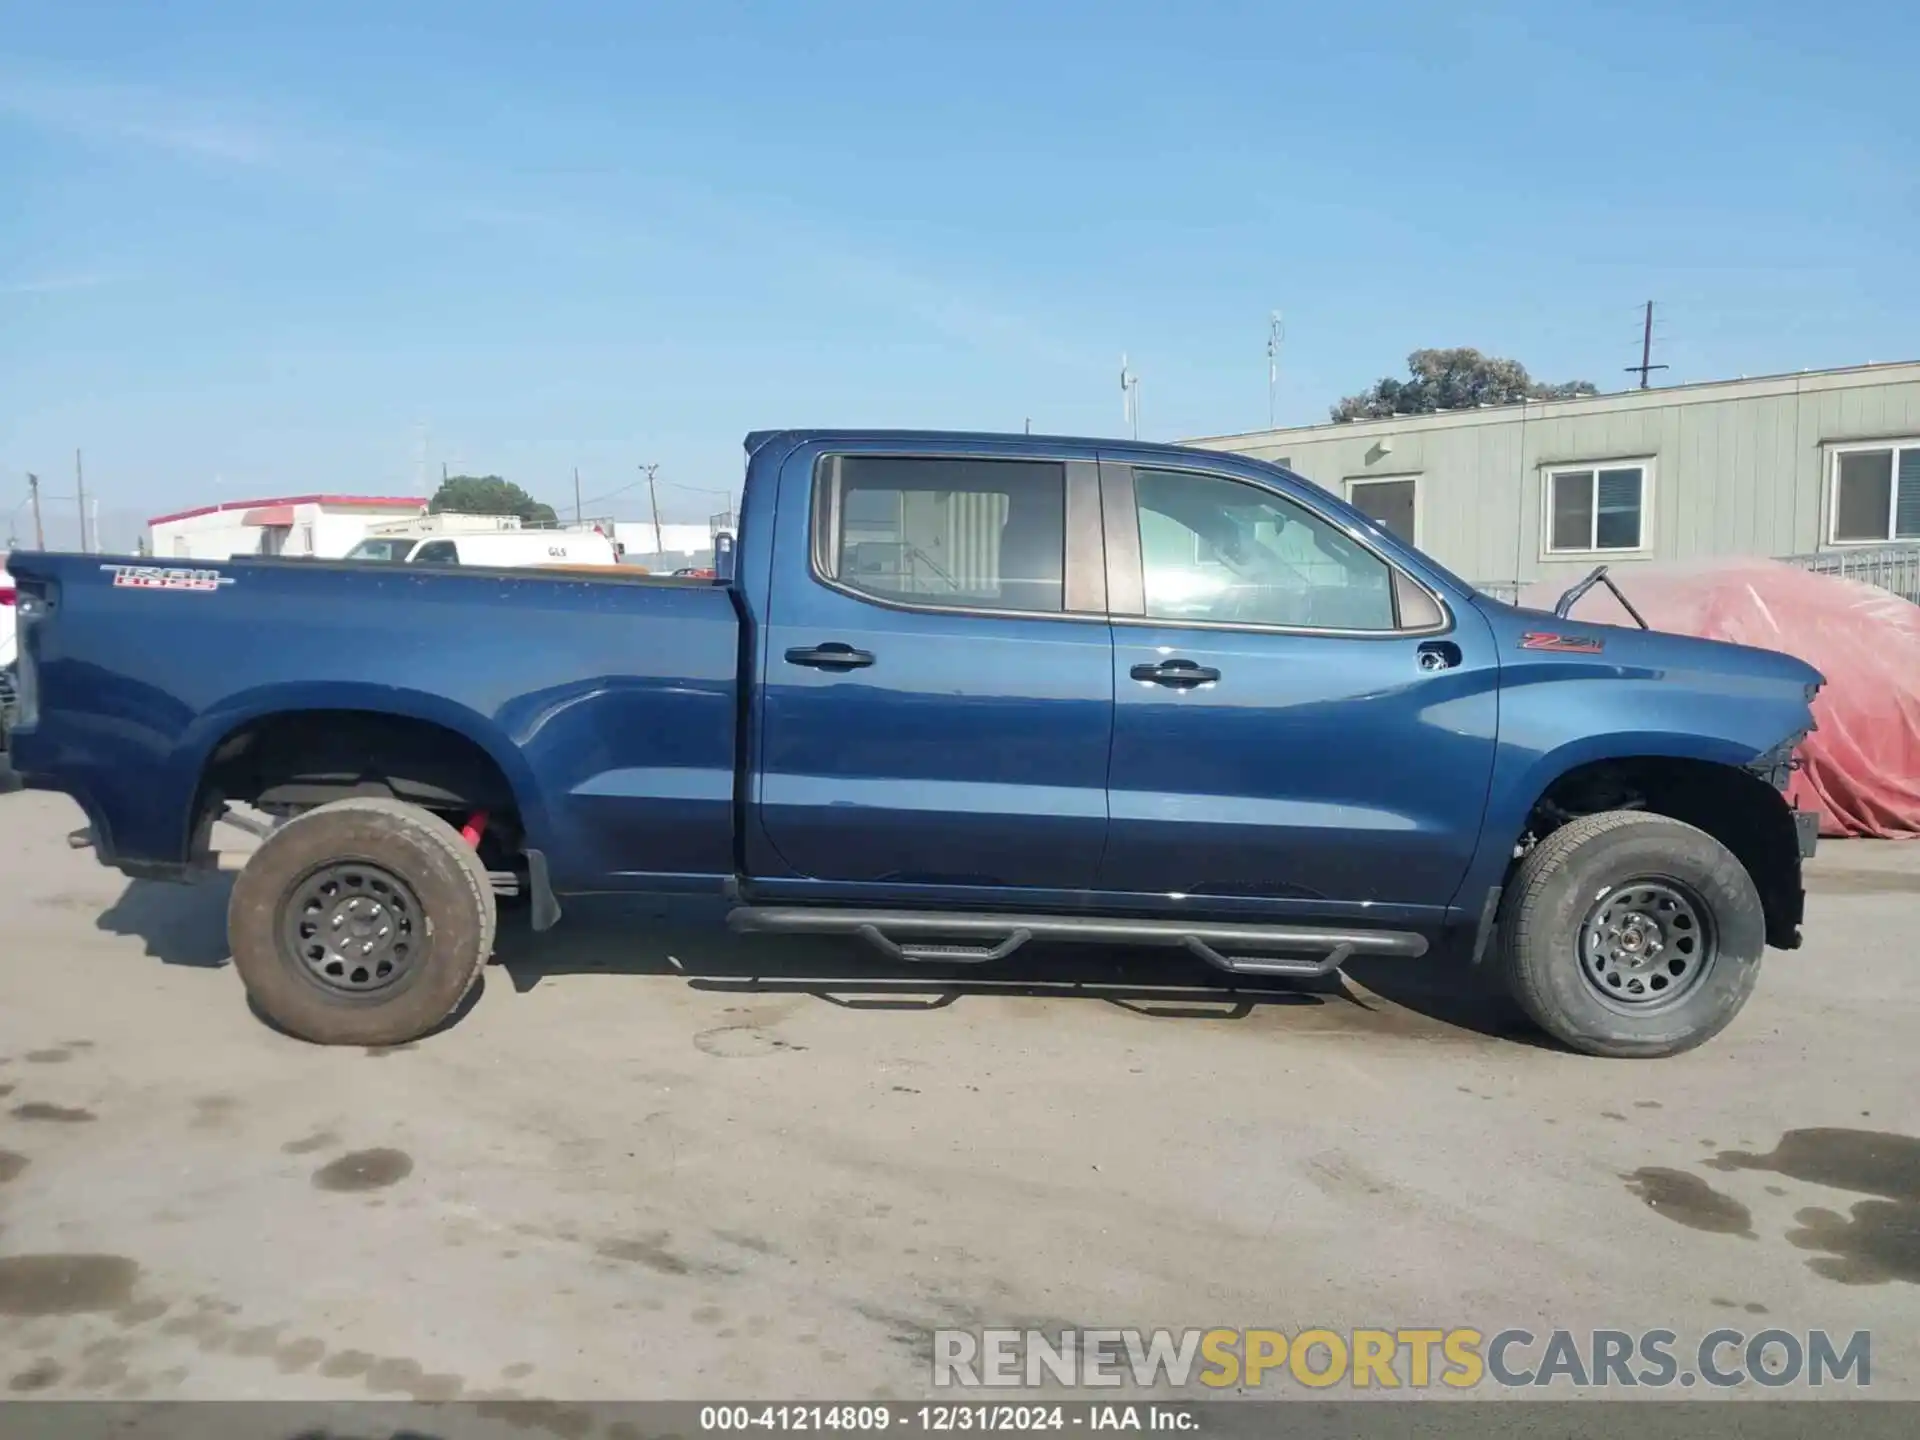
{"x":1740,"y":810}
{"x":288,"y":763}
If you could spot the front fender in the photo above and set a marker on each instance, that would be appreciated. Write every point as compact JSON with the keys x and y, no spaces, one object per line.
{"x":1561,"y":716}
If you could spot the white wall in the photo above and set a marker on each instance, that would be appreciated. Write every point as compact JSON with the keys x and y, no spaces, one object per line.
{"x":326,"y":531}
{"x":218,"y":536}
{"x":336,"y":532}
{"x":637,"y":536}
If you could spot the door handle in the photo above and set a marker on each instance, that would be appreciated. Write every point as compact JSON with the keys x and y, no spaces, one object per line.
{"x":830,"y":656}
{"x":1179,"y":674}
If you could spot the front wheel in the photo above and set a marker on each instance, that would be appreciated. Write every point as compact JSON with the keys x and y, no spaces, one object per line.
{"x":363,"y":922}
{"x":1631,"y":935}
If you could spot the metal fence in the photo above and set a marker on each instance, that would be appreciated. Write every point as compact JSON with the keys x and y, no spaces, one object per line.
{"x":1896,"y":568}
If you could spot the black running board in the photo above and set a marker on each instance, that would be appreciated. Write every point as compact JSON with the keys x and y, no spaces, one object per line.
{"x":946,"y":937}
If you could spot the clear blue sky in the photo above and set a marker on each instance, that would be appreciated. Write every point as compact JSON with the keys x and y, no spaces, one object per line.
{"x":245,"y":250}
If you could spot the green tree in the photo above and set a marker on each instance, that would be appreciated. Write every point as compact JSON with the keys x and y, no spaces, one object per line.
{"x":1457,"y":379}
{"x":489,"y":495}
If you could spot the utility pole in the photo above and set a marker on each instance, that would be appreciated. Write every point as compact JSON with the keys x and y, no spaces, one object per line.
{"x":576,"y":496}
{"x":1646,"y":351}
{"x":653,"y":498}
{"x":80,"y":485}
{"x":1130,"y":396}
{"x":39,"y":530}
{"x":1276,"y":332}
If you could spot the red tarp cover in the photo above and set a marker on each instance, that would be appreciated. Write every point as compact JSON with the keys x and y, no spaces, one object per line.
{"x":1861,"y":767}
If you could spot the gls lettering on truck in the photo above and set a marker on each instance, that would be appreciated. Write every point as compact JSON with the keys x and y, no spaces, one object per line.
{"x":952,"y":693}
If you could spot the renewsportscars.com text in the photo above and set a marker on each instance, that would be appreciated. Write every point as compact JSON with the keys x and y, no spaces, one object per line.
{"x":1362,"y":1359}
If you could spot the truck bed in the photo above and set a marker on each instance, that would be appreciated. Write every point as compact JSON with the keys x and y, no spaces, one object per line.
{"x":590,"y":693}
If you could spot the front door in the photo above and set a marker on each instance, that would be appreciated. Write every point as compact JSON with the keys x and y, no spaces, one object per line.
{"x":1296,"y":720}
{"x":938,"y":673}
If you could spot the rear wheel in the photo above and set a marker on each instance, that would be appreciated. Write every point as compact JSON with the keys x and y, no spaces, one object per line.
{"x":1629,"y":934}
{"x":363,"y":922}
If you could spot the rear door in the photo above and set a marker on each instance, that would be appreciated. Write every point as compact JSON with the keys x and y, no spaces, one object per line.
{"x":938,"y":671}
{"x":1297,"y":719}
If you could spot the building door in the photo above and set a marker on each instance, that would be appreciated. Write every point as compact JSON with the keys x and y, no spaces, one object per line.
{"x":938,"y":683}
{"x":1391,"y":502}
{"x":1295,"y":720}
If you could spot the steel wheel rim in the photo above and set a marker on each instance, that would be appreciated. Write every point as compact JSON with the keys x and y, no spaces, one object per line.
{"x":353,"y":927}
{"x":1646,"y":944}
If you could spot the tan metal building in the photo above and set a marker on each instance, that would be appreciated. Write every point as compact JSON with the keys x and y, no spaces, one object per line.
{"x":1824,"y":461}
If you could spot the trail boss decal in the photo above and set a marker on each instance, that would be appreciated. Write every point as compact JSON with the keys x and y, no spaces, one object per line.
{"x":162,"y":577}
{"x":1566,"y":644}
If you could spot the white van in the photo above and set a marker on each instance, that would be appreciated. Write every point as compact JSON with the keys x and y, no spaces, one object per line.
{"x":502,"y":549}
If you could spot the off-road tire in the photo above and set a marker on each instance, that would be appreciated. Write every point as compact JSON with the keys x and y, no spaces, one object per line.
{"x":1537,"y":946}
{"x":412,"y":844}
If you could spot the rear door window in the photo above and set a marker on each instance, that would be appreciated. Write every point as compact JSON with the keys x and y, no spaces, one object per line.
{"x":953,"y":533}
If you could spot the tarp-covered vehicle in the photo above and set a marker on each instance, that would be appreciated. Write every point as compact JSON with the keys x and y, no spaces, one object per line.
{"x":1860,"y":767}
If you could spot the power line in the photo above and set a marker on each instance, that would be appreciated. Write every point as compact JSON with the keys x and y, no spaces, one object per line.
{"x":618,"y":490}
{"x":674,"y":484}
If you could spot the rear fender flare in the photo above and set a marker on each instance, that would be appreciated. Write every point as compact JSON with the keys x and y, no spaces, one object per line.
{"x":208,"y":730}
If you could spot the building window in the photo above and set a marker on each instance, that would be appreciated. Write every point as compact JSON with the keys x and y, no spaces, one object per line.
{"x":1596,"y":507}
{"x":967,"y":534}
{"x":1389,"y":503}
{"x":1876,"y":494}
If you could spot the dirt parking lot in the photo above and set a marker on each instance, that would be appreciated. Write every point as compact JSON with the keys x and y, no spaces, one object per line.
{"x":655,"y":1161}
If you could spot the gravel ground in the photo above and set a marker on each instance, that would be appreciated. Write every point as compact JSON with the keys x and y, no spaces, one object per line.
{"x":656,"y":1161}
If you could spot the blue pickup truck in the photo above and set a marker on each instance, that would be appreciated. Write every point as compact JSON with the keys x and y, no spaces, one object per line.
{"x":948,"y":694}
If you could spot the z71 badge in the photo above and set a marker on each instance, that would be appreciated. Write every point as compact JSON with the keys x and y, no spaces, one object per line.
{"x":1565,"y":644}
{"x":162,"y":577}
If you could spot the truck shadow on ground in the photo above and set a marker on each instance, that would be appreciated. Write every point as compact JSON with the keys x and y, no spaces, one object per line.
{"x":1435,"y":998}
{"x":179,"y":924}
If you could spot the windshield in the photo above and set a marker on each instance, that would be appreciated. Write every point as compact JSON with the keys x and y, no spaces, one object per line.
{"x":391,"y":550}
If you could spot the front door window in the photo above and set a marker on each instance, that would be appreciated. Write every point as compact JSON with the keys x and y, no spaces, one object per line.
{"x":1216,"y":550}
